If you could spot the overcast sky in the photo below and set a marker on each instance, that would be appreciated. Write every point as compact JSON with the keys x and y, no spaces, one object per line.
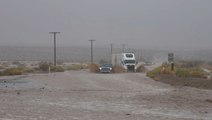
{"x":152,"y":23}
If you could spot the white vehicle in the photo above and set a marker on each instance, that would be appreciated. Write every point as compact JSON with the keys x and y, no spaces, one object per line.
{"x":126,"y":60}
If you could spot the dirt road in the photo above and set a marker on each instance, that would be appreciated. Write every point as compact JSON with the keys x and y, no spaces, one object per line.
{"x":80,"y":95}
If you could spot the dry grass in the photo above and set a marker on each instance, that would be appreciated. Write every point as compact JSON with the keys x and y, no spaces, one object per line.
{"x":77,"y":67}
{"x":12,"y":71}
{"x":181,"y":72}
{"x":57,"y":69}
{"x":154,"y":73}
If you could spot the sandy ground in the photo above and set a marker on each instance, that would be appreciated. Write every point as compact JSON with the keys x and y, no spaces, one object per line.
{"x":80,"y":95}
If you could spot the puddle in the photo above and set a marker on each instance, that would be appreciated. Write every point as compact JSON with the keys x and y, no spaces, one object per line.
{"x":17,"y":82}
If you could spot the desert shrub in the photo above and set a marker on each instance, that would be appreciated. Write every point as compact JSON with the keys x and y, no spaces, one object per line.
{"x":141,"y":68}
{"x":57,"y":69}
{"x":29,"y":70}
{"x":186,"y":72}
{"x":16,"y":63}
{"x":94,"y":68}
{"x":118,"y":69}
{"x":13,"y":71}
{"x":154,"y":72}
{"x":167,"y":71}
{"x":36,"y":69}
{"x":192,"y":71}
{"x":197,"y":73}
{"x":76,"y":67}
{"x":182,"y":72}
{"x":44,"y":66}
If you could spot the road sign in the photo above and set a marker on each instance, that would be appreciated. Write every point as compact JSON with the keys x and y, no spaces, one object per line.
{"x":171,"y":57}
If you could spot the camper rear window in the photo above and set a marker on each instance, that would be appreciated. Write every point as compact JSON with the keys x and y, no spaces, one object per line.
{"x":129,"y":55}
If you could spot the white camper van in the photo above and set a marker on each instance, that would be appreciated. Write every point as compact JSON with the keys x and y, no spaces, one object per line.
{"x":126,"y":60}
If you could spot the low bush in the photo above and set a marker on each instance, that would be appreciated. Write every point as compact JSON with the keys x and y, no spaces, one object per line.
{"x":77,"y":67}
{"x":57,"y":69}
{"x":29,"y":70}
{"x":197,"y":73}
{"x":167,"y":71}
{"x":186,"y":72}
{"x":154,"y":73}
{"x":191,"y":71}
{"x":44,"y":66}
{"x":16,"y":63}
{"x":13,"y":71}
{"x":182,"y":72}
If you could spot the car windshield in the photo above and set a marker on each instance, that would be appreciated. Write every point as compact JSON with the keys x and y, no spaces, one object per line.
{"x":107,"y":65}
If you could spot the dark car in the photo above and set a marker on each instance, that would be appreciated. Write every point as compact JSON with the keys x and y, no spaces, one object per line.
{"x":105,"y":68}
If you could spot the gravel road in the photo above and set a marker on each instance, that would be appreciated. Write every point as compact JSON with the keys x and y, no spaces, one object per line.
{"x":80,"y":95}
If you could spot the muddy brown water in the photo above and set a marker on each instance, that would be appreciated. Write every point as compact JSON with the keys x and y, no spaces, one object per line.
{"x":17,"y":82}
{"x":80,"y":95}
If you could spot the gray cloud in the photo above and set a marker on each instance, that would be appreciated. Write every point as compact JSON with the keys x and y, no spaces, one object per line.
{"x":145,"y":23}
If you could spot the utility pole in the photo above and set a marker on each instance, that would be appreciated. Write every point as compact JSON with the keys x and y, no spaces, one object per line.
{"x":111,"y":48}
{"x":91,"y":50}
{"x":55,"y":57}
{"x":123,"y":47}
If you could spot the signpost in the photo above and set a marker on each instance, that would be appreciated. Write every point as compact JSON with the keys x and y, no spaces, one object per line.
{"x":171,"y":60}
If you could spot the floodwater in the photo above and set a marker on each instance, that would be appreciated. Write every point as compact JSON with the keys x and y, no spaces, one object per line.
{"x":17,"y":82}
{"x":80,"y":95}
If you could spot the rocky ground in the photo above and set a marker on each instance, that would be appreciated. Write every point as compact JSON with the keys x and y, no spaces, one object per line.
{"x":80,"y":95}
